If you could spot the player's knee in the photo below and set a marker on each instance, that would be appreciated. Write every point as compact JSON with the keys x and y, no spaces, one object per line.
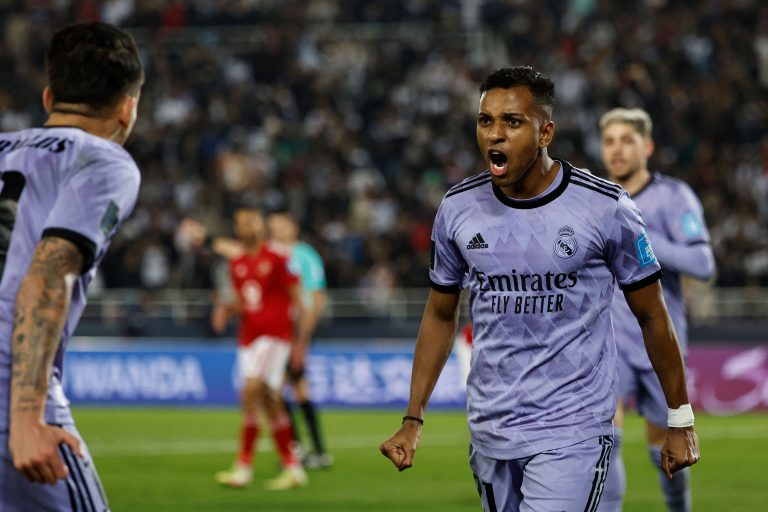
{"x":252,"y":393}
{"x":273,"y":403}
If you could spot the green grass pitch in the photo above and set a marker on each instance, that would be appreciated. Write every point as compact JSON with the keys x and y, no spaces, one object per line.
{"x":164,"y":460}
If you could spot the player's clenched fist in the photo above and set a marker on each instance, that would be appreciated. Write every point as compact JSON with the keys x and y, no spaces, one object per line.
{"x":681,"y":449}
{"x":401,"y":447}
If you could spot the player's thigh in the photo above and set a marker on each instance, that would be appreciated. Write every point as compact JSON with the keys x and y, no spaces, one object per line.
{"x":651,"y":402}
{"x":497,"y":481}
{"x":569,"y":479}
{"x":264,"y":359}
{"x":80,"y":492}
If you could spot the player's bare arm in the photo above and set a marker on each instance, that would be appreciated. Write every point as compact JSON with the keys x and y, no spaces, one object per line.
{"x":433,"y":346}
{"x":42,"y":305}
{"x":303,"y":328}
{"x":319,"y":300}
{"x":196,"y":234}
{"x":681,"y":447}
{"x":222,"y":313}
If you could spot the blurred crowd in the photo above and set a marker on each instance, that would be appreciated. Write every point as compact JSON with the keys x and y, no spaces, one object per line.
{"x":357,"y":115}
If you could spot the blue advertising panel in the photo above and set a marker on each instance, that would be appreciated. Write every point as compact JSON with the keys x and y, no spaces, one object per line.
{"x":364,"y":374}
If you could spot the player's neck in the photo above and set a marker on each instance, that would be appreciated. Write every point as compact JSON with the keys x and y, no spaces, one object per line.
{"x":95,"y":125}
{"x":253,"y":247}
{"x":634,"y":182}
{"x":535,"y":181}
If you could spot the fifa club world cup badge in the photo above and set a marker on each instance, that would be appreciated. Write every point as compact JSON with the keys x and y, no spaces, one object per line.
{"x":565,"y":245}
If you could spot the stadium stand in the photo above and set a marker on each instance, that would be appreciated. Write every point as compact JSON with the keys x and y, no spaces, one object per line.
{"x":358,"y":115}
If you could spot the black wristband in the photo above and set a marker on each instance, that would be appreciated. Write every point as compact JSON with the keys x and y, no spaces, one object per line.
{"x":208,"y":241}
{"x":414,"y":418}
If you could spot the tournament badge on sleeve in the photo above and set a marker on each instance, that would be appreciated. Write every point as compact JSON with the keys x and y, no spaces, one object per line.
{"x":645,"y":253}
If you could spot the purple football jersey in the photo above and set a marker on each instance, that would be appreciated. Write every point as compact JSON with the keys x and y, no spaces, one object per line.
{"x":541,"y":275}
{"x":671,"y":211}
{"x":57,"y":181}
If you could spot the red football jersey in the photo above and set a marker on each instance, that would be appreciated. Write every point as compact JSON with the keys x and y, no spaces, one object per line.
{"x":262,"y":282}
{"x":467,"y":333}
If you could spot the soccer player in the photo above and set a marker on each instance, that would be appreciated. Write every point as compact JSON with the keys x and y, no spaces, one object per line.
{"x":267,"y":297}
{"x":675,"y":223}
{"x":67,"y":188}
{"x":284,"y":231}
{"x":543,"y":244}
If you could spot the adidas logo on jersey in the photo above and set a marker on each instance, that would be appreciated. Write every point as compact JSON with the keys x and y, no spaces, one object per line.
{"x":477,"y":242}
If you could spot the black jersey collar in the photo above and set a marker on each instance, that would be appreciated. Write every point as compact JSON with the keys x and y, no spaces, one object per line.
{"x":541,"y":201}
{"x":646,"y":185}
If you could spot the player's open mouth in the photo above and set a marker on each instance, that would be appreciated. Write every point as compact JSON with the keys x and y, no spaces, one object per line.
{"x":498,"y":162}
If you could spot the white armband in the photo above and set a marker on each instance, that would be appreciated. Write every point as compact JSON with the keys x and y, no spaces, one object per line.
{"x":680,"y":417}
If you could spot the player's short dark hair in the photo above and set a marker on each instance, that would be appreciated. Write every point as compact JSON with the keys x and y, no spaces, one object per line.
{"x":94,"y":64}
{"x":541,"y":86}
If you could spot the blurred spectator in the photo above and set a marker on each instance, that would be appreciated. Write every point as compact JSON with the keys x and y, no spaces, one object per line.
{"x":357,"y":114}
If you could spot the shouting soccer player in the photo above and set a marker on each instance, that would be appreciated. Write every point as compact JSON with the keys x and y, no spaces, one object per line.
{"x":267,"y":297}
{"x":67,"y":189}
{"x":542,"y":244}
{"x":675,"y":223}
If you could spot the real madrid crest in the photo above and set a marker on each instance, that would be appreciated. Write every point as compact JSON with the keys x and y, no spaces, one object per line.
{"x":565,"y":245}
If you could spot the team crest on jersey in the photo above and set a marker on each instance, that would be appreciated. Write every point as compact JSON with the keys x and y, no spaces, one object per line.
{"x":565,"y":245}
{"x":264,"y":268}
{"x":241,"y":270}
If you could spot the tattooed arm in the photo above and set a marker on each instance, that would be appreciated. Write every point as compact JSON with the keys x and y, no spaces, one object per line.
{"x":42,"y":305}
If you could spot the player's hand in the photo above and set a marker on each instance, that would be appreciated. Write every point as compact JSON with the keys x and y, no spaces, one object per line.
{"x":297,"y":359}
{"x":190,"y":234}
{"x":219,"y":319}
{"x":34,"y":449}
{"x":681,"y":449}
{"x":401,"y":447}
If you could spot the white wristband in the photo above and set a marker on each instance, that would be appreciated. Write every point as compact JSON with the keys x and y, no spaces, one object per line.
{"x":680,"y":417}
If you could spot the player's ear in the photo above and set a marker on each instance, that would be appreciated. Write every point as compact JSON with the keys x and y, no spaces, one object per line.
{"x":47,"y":99}
{"x":649,"y":147}
{"x":126,"y":111}
{"x":547,"y":132}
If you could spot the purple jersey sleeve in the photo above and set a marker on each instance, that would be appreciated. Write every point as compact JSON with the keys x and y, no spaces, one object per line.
{"x":681,"y":241}
{"x":685,"y":219}
{"x":629,"y":252}
{"x":447,"y":266}
{"x":92,"y":205}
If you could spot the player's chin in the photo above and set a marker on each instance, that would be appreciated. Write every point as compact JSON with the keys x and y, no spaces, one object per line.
{"x":503,"y":180}
{"x":619,"y":171}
